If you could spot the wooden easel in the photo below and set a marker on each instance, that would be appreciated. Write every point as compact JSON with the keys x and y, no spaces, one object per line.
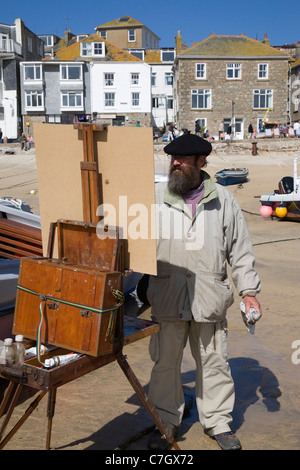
{"x":51,"y":380}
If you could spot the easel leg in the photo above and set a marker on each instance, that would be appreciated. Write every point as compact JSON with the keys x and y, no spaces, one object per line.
{"x":27,"y":413}
{"x":145,"y":400}
{"x":11,"y":406}
{"x":50,"y":414}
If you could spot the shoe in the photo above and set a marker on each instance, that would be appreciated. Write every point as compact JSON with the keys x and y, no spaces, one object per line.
{"x":158,"y":441}
{"x":228,"y":441}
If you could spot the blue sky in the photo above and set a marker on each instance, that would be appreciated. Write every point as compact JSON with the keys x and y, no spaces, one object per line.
{"x":195,"y":19}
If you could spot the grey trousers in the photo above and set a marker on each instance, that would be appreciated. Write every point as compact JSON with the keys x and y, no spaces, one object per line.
{"x":214,"y":384}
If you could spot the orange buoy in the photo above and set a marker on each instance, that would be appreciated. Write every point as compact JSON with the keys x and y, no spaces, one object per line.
{"x":281,"y":211}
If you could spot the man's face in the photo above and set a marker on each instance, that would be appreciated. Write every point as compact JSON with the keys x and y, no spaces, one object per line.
{"x":184,"y":173}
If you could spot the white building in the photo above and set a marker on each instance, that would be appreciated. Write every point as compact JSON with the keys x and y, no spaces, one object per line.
{"x":121,"y":92}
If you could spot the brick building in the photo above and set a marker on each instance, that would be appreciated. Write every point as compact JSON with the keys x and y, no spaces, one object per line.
{"x":230,"y":80}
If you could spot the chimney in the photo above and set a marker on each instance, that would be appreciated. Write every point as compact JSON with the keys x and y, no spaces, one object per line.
{"x":178,"y":43}
{"x":266,"y":40}
{"x":68,"y":36}
{"x":297,"y":51}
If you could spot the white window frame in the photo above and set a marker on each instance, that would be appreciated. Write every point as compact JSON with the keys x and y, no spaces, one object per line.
{"x":90,"y":49}
{"x":153,"y":78}
{"x":236,"y":69}
{"x":103,"y":34}
{"x":131,"y":35}
{"x":79,"y":37}
{"x":165,"y":52}
{"x":200,"y":71}
{"x":135,"y":99}
{"x":170,"y":102}
{"x":109,"y":78}
{"x":68,"y":67}
{"x":140,"y":52}
{"x":261,"y":71}
{"x":78,"y":106}
{"x":29,"y":95}
{"x":47,"y":39}
{"x":134,"y":78}
{"x":267,"y":94}
{"x":35,"y":68}
{"x":109,"y":100}
{"x":206,"y":97}
{"x":168,"y":77}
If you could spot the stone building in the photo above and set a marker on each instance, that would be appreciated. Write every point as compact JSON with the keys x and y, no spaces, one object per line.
{"x":295,"y":87}
{"x":230,"y":80}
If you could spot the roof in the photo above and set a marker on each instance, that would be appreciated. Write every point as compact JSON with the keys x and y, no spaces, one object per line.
{"x":232,"y":46}
{"x":121,"y":23}
{"x":152,"y":56}
{"x":113,"y":53}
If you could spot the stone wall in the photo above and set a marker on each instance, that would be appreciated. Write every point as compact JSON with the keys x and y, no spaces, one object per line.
{"x":224,"y":91}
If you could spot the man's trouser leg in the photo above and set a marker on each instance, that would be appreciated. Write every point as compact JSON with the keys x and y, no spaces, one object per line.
{"x":214,"y":385}
{"x":166,"y":350}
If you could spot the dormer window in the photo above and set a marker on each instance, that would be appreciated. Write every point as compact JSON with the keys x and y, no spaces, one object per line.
{"x":92,"y":49}
{"x":167,"y":55}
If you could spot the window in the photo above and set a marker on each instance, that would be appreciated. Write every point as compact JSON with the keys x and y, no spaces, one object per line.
{"x":158,"y":102}
{"x":34,"y":99}
{"x":4,"y":42}
{"x":201,"y":99}
{"x":109,"y":99}
{"x":47,"y":40}
{"x":79,"y":37}
{"x":262,"y":99}
{"x":103,"y":34}
{"x":170,"y":102}
{"x":92,"y":49}
{"x":135,"y":99}
{"x":71,"y":99}
{"x":131,"y":35}
{"x":153,"y":79}
{"x":168,"y":78}
{"x":32,"y":72}
{"x":201,"y":71}
{"x":263,"y":71}
{"x":29,"y":44}
{"x":167,"y":55}
{"x":135,"y":77}
{"x":109,"y":79}
{"x":139,"y":53}
{"x":70,"y":72}
{"x":233,"y":71}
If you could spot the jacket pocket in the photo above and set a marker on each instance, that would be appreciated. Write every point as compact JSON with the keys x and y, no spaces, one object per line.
{"x":214,"y":295}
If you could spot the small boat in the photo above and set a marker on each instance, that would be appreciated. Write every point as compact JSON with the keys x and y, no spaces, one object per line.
{"x":229,"y":176}
{"x":284,"y":203}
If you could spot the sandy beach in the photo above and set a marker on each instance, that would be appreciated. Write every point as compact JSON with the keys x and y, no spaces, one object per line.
{"x":100,"y":411}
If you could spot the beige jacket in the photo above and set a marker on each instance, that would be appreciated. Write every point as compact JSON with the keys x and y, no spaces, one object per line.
{"x":193,"y":252}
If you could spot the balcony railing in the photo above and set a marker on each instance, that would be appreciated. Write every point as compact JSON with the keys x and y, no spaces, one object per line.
{"x":10,"y":46}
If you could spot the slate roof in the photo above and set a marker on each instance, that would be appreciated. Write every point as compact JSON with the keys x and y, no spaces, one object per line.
{"x":113,"y":53}
{"x":232,"y":46}
{"x":121,"y":23}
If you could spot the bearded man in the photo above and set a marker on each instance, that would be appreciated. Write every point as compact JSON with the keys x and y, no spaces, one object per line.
{"x":201,"y":229}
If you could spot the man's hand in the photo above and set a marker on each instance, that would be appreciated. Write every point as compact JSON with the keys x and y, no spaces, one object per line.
{"x":251,"y":302}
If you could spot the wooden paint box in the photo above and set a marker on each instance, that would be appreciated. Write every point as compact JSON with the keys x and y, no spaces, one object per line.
{"x":75,"y":296}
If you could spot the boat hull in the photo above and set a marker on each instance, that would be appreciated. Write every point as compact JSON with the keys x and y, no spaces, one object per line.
{"x":229,"y":176}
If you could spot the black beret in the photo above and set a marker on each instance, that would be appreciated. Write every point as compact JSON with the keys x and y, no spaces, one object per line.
{"x":188,"y":144}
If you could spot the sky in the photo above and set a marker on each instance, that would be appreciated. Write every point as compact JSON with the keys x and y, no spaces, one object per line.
{"x":196,"y":20}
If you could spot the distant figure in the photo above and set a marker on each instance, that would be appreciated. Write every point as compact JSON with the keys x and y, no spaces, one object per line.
{"x":221,"y":131}
{"x":171,"y":131}
{"x":1,"y":134}
{"x":197,"y":127}
{"x":29,"y":142}
{"x":23,"y":141}
{"x":138,"y":124}
{"x":250,"y":131}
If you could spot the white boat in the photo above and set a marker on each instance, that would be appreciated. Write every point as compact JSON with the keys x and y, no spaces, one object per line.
{"x":284,"y":202}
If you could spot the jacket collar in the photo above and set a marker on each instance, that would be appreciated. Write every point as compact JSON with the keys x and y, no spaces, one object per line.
{"x":210,"y":192}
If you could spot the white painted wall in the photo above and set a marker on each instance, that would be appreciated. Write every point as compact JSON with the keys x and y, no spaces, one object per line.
{"x":122,"y":87}
{"x":162,"y":115}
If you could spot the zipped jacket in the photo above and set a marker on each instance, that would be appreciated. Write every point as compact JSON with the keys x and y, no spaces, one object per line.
{"x":193,"y":253}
